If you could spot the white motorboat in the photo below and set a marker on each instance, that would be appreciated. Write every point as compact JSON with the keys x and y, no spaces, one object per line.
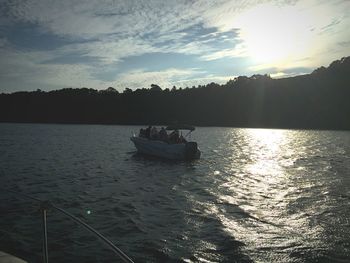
{"x":174,"y":151}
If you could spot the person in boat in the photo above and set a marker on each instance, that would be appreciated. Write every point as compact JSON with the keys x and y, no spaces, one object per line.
{"x":154,"y":133}
{"x":163,"y":135}
{"x":148,"y":132}
{"x":174,"y":137}
{"x":142,"y":132}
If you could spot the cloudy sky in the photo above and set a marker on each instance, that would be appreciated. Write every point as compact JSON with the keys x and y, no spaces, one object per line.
{"x":52,"y":44}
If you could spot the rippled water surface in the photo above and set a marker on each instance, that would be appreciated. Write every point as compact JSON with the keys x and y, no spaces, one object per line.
{"x":254,"y":196}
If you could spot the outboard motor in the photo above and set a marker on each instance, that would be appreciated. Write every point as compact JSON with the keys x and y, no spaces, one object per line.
{"x":191,"y":149}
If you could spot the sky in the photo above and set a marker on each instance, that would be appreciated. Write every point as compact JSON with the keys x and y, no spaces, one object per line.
{"x":55,"y":44}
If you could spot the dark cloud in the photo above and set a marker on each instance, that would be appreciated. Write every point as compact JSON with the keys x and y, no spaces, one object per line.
{"x":29,"y":36}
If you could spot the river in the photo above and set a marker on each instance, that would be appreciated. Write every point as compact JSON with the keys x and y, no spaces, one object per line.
{"x":256,"y":195}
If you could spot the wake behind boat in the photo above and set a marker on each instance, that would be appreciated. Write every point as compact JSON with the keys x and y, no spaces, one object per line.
{"x":171,"y":146}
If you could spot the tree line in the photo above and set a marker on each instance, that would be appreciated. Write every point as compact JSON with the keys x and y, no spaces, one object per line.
{"x":319,"y":100}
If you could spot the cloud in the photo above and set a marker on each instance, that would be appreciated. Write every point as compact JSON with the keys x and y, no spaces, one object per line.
{"x":203,"y":81}
{"x":109,"y":50}
{"x":167,"y":78}
{"x":275,"y":72}
{"x":88,"y":19}
{"x":90,"y":41}
{"x":68,"y":18}
{"x":238,"y":51}
{"x":3,"y":42}
{"x":143,"y":79}
{"x":125,"y":21}
{"x":112,"y":30}
{"x":117,"y":20}
{"x":278,"y":75}
{"x":98,"y":35}
{"x":24,"y":71}
{"x":284,"y":34}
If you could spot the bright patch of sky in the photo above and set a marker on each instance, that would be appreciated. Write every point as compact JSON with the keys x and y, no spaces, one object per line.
{"x":49,"y":44}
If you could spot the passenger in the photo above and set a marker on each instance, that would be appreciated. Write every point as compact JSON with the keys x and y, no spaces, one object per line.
{"x":154,"y":133}
{"x":163,"y":135}
{"x":148,"y":132}
{"x":174,"y":137}
{"x":142,"y":133}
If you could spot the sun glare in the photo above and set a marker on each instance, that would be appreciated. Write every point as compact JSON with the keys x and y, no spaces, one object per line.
{"x":274,"y":34}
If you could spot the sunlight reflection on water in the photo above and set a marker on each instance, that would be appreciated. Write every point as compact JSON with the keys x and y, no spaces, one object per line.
{"x":264,"y":205}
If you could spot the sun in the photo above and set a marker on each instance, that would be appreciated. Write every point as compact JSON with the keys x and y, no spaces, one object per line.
{"x":275,"y":34}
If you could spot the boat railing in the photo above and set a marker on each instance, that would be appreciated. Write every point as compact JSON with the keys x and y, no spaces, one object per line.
{"x":45,"y":206}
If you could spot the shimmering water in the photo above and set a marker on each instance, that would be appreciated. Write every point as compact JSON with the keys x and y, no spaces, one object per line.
{"x":254,"y":196}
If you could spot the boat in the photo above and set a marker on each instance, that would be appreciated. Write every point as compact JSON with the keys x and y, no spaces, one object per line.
{"x":179,"y":150}
{"x":45,"y":207}
{"x":7,"y":258}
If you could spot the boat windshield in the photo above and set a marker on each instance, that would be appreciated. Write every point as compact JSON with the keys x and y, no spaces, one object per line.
{"x":180,"y":127}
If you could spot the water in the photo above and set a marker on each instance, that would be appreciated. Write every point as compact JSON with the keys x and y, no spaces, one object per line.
{"x":254,"y":196}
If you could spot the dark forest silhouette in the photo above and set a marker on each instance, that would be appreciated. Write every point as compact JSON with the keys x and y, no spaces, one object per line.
{"x":320,"y":100}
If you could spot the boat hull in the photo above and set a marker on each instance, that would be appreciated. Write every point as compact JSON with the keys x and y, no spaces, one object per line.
{"x":180,"y":151}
